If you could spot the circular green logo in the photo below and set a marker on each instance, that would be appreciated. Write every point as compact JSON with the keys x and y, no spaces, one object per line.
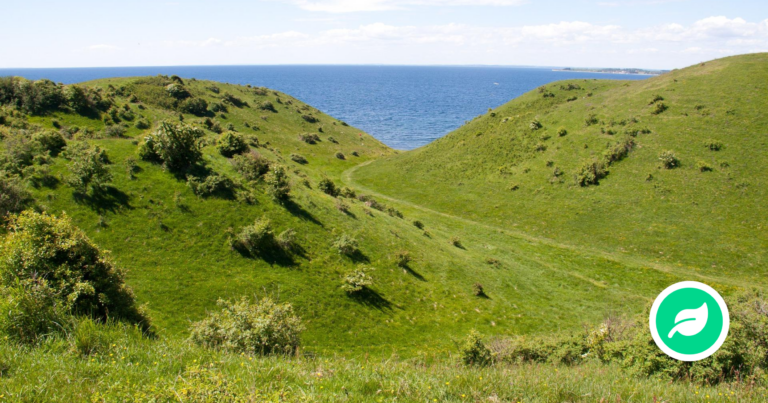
{"x":689,"y":321}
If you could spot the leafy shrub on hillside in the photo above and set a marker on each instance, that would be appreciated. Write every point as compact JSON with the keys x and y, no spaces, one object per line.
{"x":562,"y":131}
{"x":534,"y":125}
{"x":50,"y":141}
{"x":591,"y":172}
{"x":418,"y":224}
{"x":357,"y":280}
{"x":347,"y":192}
{"x":456,"y":241}
{"x":175,"y":146}
{"x":114,"y":131}
{"x":256,"y":238}
{"x":142,"y":124}
{"x":298,"y":158}
{"x":346,"y":245}
{"x":656,"y":98}
{"x":177,"y":91}
{"x":13,"y":196}
{"x":231,"y":99}
{"x":194,"y":106}
{"x":659,"y":108}
{"x":619,"y":151}
{"x":669,"y":160}
{"x":21,"y":152}
{"x":327,"y":186}
{"x":278,"y":185}
{"x":267,"y":106}
{"x":263,"y":328}
{"x":703,"y":166}
{"x":89,"y":167}
{"x":251,"y":165}
{"x":402,"y":258}
{"x":340,"y":155}
{"x":310,"y":118}
{"x":287,"y":240}
{"x":591,"y":119}
{"x":33,"y":97}
{"x":474,"y":352}
{"x":230,"y":144}
{"x":211,"y":185}
{"x":48,"y":269}
{"x":713,"y":145}
{"x":309,"y":138}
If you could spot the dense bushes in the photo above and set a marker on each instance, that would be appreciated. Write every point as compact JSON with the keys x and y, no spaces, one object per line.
{"x":327,"y":186}
{"x":346,"y":245}
{"x":49,"y":269}
{"x":89,"y":167}
{"x":298,"y":158}
{"x":195,"y":106}
{"x":278,"y":185}
{"x":310,"y":118}
{"x":231,"y":143}
{"x":261,"y":328}
{"x":591,"y":172}
{"x":474,"y":352}
{"x":669,"y":160}
{"x":42,"y":96}
{"x":256,"y":238}
{"x":309,"y":138}
{"x":713,"y":145}
{"x":267,"y":106}
{"x":13,"y":196}
{"x":357,"y":280}
{"x":176,"y":146}
{"x":251,"y":165}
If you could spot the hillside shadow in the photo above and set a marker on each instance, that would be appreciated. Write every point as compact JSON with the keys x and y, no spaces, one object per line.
{"x":371,"y":298}
{"x":273,"y":255}
{"x":413,"y":273}
{"x":108,"y":199}
{"x":300,"y":212}
{"x":359,"y":257}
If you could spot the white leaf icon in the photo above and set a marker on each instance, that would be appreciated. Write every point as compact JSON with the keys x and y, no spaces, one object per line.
{"x":690,"y":322}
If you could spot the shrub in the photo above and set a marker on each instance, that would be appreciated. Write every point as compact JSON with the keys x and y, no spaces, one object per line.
{"x":333,"y":140}
{"x":177,"y":91}
{"x":346,"y":245}
{"x":211,"y":185}
{"x":562,"y":132}
{"x":256,"y":238}
{"x":713,"y":145}
{"x":176,"y":146}
{"x":456,"y":241}
{"x":591,"y":172}
{"x":656,"y":98}
{"x":418,"y":224}
{"x":347,"y":192}
{"x":142,"y":124}
{"x":287,"y":240}
{"x":88,"y":167}
{"x":402,"y":258}
{"x":477,"y":290}
{"x":493,"y":262}
{"x":114,"y":131}
{"x":328,"y":187}
{"x":251,"y":165}
{"x":620,"y":150}
{"x":50,"y":141}
{"x":357,"y":280}
{"x":341,"y":206}
{"x":217,"y":107}
{"x":194,"y":106}
{"x":669,"y":160}
{"x":267,"y":106}
{"x":309,"y":138}
{"x":393,"y":212}
{"x":703,"y":166}
{"x":262,"y":328}
{"x":298,"y":158}
{"x":659,"y":108}
{"x":229,"y":98}
{"x":474,"y":352}
{"x":48,"y":267}
{"x":277,"y":183}
{"x":591,"y":120}
{"x":310,"y":118}
{"x":534,"y":125}
{"x":230,"y":144}
{"x":13,"y":196}
{"x":340,"y":155}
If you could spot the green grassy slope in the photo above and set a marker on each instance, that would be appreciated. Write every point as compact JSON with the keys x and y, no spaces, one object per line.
{"x":499,"y":171}
{"x":174,"y":244}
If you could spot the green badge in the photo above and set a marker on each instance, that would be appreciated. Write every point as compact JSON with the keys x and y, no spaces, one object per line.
{"x":689,"y":321}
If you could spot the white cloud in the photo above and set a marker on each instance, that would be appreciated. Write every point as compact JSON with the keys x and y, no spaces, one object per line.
{"x":351,"y":6}
{"x":103,"y":47}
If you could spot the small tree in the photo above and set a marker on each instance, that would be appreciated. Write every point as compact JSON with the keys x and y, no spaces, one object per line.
{"x":278,"y":185}
{"x":256,"y":238}
{"x":176,"y":146}
{"x":669,"y":160}
{"x":346,"y":245}
{"x":252,"y":165}
{"x":262,"y":328}
{"x":328,"y":187}
{"x":89,"y":167}
{"x":230,"y":144}
{"x":357,"y":280}
{"x":474,"y":352}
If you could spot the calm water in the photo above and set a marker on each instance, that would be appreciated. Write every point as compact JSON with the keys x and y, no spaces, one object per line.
{"x":404,"y":107}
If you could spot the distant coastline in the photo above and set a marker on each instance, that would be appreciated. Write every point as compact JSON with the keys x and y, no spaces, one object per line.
{"x":614,"y":71}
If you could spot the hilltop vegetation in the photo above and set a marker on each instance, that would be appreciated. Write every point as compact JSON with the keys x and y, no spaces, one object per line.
{"x":177,"y":234}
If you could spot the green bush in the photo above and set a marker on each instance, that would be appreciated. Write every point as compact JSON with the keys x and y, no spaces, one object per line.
{"x":713,"y":145}
{"x":13,"y":196}
{"x":48,"y":267}
{"x":309,"y":138}
{"x":327,"y":186}
{"x":175,"y":146}
{"x":263,"y":328}
{"x":591,"y":119}
{"x":298,"y":158}
{"x":347,"y":192}
{"x":346,"y":245}
{"x":619,"y":151}
{"x":251,"y":165}
{"x":89,"y":167}
{"x":287,"y":240}
{"x":418,"y":224}
{"x":278,"y":186}
{"x":256,"y":238}
{"x":194,"y":106}
{"x":230,"y":144}
{"x":310,"y":118}
{"x":50,"y":141}
{"x":114,"y":131}
{"x":562,"y":132}
{"x":340,"y":155}
{"x":177,"y":91}
{"x":267,"y":106}
{"x":142,"y":124}
{"x":591,"y":172}
{"x":211,"y":185}
{"x":656,"y":98}
{"x":456,"y":241}
{"x":231,"y":99}
{"x":703,"y":166}
{"x":659,"y":108}
{"x":534,"y":125}
{"x":669,"y":160}
{"x":478,"y":290}
{"x":474,"y":352}
{"x":357,"y":280}
{"x":402,"y":258}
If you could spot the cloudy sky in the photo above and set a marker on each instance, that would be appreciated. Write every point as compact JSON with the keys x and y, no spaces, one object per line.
{"x":660,"y":34}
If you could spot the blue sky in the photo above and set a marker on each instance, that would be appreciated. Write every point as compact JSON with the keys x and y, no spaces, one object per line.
{"x":602,"y":33}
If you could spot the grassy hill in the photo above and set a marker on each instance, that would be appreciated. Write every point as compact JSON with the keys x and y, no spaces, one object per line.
{"x":519,"y":168}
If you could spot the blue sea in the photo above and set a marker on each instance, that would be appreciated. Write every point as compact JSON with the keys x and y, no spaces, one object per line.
{"x":403,"y":106}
